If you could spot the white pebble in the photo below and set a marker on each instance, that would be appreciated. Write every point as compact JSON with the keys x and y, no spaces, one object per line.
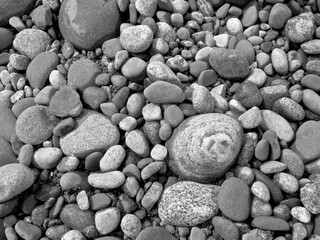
{"x":159,"y":152}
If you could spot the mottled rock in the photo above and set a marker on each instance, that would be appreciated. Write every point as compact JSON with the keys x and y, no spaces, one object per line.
{"x":300,"y":28}
{"x":7,"y":122}
{"x":155,"y":233}
{"x":136,"y":39}
{"x":310,"y":197}
{"x":12,"y":8}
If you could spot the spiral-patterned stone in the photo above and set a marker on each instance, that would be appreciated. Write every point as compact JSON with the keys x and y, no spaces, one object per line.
{"x":205,"y":146}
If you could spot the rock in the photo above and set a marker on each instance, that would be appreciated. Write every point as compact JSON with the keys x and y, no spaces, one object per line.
{"x":134,"y":69}
{"x":286,"y":182}
{"x":273,"y":121}
{"x":7,"y":122}
{"x":163,"y":92}
{"x":300,"y":28}
{"x":311,"y":100}
{"x":74,"y":179}
{"x":157,"y":70}
{"x":107,"y":220}
{"x":99,"y":201}
{"x":87,"y":25}
{"x":93,"y":132}
{"x":18,"y":8}
{"x":229,"y":64}
{"x":188,"y":203}
{"x":202,"y":100}
{"x":250,"y":14}
{"x":246,"y":48}
{"x":270,"y":223}
{"x":310,"y":197}
{"x":155,"y":233}
{"x":27,"y":230}
{"x":225,"y":228}
{"x":7,"y":207}
{"x":138,"y":143}
{"x":248,"y":94}
{"x":40,"y":68}
{"x":75,"y":218}
{"x":6,"y":38}
{"x":146,"y":8}
{"x":31,"y":42}
{"x":311,"y":81}
{"x":94,"y":96}
{"x":152,"y":196}
{"x":279,"y":15}
{"x":130,"y":225}
{"x":46,"y":158}
{"x":260,"y":190}
{"x":34,"y":125}
{"x":289,"y":109}
{"x":279,"y":61}
{"x":271,"y":94}
{"x":204,"y":147}
{"x":301,"y":214}
{"x":15,"y":178}
{"x":82,"y":73}
{"x":166,"y":32}
{"x":251,"y":118}
{"x":22,"y":105}
{"x":112,"y":159}
{"x":294,"y":163}
{"x":6,"y":148}
{"x":136,"y":39}
{"x":42,"y":17}
{"x":56,"y":232}
{"x":305,"y":143}
{"x":108,"y":180}
{"x":234,"y":199}
{"x":73,"y":234}
{"x":311,"y":47}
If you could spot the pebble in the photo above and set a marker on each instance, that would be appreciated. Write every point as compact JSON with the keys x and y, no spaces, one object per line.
{"x":108,"y":180}
{"x":289,"y":109}
{"x":225,"y":228}
{"x":159,"y":152}
{"x":82,"y":74}
{"x":138,"y":143}
{"x":93,"y":132}
{"x":27,"y":230}
{"x":99,"y":201}
{"x":152,"y":196}
{"x":270,"y":223}
{"x":251,"y":118}
{"x":82,"y":200}
{"x":311,"y":81}
{"x":233,"y":199}
{"x":84,"y":24}
{"x":202,"y":100}
{"x":310,"y":197}
{"x":248,"y":94}
{"x":15,"y":178}
{"x":161,"y":92}
{"x":151,"y":169}
{"x":165,"y":31}
{"x":34,"y":125}
{"x":146,"y":8}
{"x":279,"y":61}
{"x":260,"y":208}
{"x":311,"y":100}
{"x":94,"y":96}
{"x":260,"y":190}
{"x":279,"y":15}
{"x":31,"y":42}
{"x":7,"y":122}
{"x":286,"y":182}
{"x":173,"y":115}
{"x":75,"y":218}
{"x":19,"y":62}
{"x":136,"y":39}
{"x":250,"y":14}
{"x":154,"y":232}
{"x":311,"y":46}
{"x":157,"y":70}
{"x":46,"y":158}
{"x":73,"y":234}
{"x":56,"y":232}
{"x":300,"y":28}
{"x":197,"y":233}
{"x":272,"y":166}
{"x":130,"y":225}
{"x":229,"y":64}
{"x":273,"y":121}
{"x":112,"y":159}
{"x":68,"y":164}
{"x":135,"y":105}
{"x":134,"y":69}
{"x":191,"y":140}
{"x":188,"y":203}
{"x":111,"y":47}
{"x":74,"y":179}
{"x":304,"y":145}
{"x":301,"y":214}
{"x":7,"y":159}
{"x":107,"y":220}
{"x":299,"y":231}
{"x":271,"y":94}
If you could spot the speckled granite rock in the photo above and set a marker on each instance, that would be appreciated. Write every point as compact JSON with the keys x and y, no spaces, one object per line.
{"x":188,"y":203}
{"x":204,"y":147}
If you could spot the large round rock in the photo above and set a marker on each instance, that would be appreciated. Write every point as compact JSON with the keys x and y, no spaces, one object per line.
{"x":87,"y":24}
{"x":205,"y":146}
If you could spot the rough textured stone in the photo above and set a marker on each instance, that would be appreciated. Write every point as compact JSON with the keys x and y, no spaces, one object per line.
{"x":300,"y":28}
{"x":12,"y":8}
{"x":88,"y":24}
{"x":188,"y":203}
{"x":310,"y":197}
{"x":93,"y":132}
{"x":136,"y":39}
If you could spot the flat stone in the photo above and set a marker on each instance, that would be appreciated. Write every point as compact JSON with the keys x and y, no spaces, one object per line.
{"x":22,"y":105}
{"x":34,"y":125}
{"x":134,"y":69}
{"x":246,"y":48}
{"x":18,"y":8}
{"x":205,"y":146}
{"x":188,"y":203}
{"x":305,"y":143}
{"x":46,"y":158}
{"x":6,"y":37}
{"x":15,"y":178}
{"x":87,"y":25}
{"x":155,"y":233}
{"x":136,"y":39}
{"x":311,"y":81}
{"x":250,"y":14}
{"x":152,"y":196}
{"x":234,"y":199}
{"x":7,"y":122}
{"x":270,"y":223}
{"x":289,"y":109}
{"x":280,"y":61}
{"x":294,"y":163}
{"x":31,"y":42}
{"x":229,"y":64}
{"x":40,"y":68}
{"x":248,"y":94}
{"x":138,"y":143}
{"x":93,"y":132}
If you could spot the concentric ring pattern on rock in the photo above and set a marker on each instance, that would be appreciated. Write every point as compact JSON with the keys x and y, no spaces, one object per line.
{"x":159,"y":119}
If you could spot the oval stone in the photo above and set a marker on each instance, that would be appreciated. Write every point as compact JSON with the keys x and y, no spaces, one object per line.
{"x":88,"y":24}
{"x":279,"y":61}
{"x":188,"y":203}
{"x":108,"y":180}
{"x":205,"y":146}
{"x":136,"y":39}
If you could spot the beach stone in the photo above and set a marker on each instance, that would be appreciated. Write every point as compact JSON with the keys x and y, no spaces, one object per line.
{"x":251,"y":118}
{"x":6,"y":38}
{"x":248,"y":94}
{"x":286,"y":182}
{"x":301,"y":214}
{"x":31,"y":42}
{"x":34,"y":125}
{"x":108,"y":180}
{"x":279,"y":61}
{"x":82,"y":74}
{"x":134,"y":69}
{"x":40,"y":68}
{"x":311,"y":46}
{"x":99,"y":201}
{"x":188,"y":203}
{"x":87,"y":25}
{"x":260,"y":208}
{"x":75,"y":218}
{"x":155,"y":233}
{"x":74,"y":179}
{"x":136,"y":39}
{"x":112,"y":159}
{"x":270,"y":223}
{"x":271,"y":94}
{"x":246,"y":48}
{"x":152,"y":196}
{"x":7,"y":122}
{"x":161,"y":92}
{"x":229,"y":64}
{"x":138,"y":143}
{"x":174,"y":115}
{"x":199,"y":153}
{"x":157,"y":70}
{"x":250,"y":14}
{"x":311,"y":81}
{"x":300,"y":28}
{"x":166,"y":32}
{"x":130,"y":225}
{"x":46,"y":158}
{"x":225,"y":228}
{"x":310,"y":197}
{"x":273,"y":121}
{"x":73,"y":234}
{"x":305,"y":143}
{"x":27,"y":230}
{"x":294,"y":163}
{"x":146,"y":8}
{"x":312,"y":67}
{"x":15,"y":178}
{"x":93,"y":132}
{"x":289,"y":109}
{"x":107,"y":220}
{"x":94,"y":96}
{"x":111,"y":47}
{"x":279,"y":15}
{"x":6,"y":148}
{"x":22,"y":105}
{"x":260,"y":190}
{"x":234,"y":199}
{"x":202,"y":100}
{"x":9,"y":9}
